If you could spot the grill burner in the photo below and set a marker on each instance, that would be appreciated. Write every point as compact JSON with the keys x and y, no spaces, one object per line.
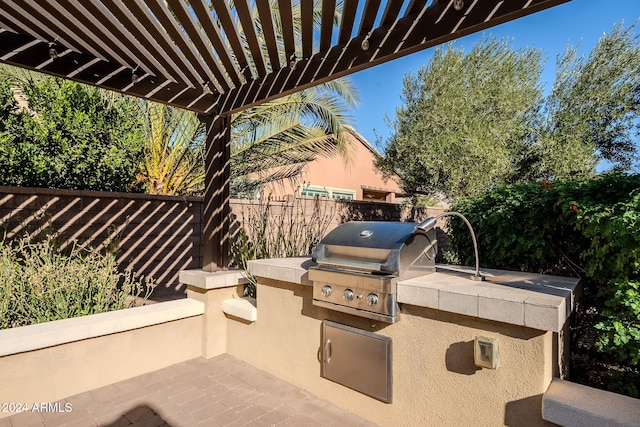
{"x":360,"y":263}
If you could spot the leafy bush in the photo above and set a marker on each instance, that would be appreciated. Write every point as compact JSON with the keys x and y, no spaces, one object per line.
{"x":39,"y":283}
{"x":511,"y":229}
{"x":620,"y":329}
{"x":589,"y":228}
{"x":70,"y":136}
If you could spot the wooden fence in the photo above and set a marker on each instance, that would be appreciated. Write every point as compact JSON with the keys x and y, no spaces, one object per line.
{"x":157,"y":236}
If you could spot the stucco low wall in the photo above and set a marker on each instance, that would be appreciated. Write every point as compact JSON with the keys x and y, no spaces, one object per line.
{"x":81,"y":354}
{"x":434,"y":379}
{"x":576,"y":405}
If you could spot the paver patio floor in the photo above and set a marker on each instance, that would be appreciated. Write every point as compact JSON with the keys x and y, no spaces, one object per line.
{"x":222,"y":391}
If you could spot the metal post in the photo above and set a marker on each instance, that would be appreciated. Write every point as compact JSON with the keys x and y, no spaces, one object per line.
{"x":215,"y":239}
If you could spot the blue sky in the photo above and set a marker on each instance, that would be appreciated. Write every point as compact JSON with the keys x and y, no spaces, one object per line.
{"x":579,"y":21}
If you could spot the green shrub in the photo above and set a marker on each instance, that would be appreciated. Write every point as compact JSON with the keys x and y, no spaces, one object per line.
{"x":39,"y":283}
{"x":589,"y":228}
{"x":512,"y":233}
{"x":70,"y":136}
{"x":620,"y":327}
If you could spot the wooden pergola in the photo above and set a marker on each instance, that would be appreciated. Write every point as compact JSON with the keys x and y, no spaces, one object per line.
{"x":217,"y":57}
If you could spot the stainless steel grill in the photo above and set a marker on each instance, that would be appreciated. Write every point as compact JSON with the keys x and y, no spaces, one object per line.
{"x":359,"y":264}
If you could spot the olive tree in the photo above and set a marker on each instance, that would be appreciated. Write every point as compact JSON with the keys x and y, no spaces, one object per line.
{"x":465,"y":119}
{"x":593,"y":109}
{"x":472,"y":121}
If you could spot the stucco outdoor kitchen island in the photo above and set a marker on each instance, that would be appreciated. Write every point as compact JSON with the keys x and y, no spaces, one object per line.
{"x":434,"y":378}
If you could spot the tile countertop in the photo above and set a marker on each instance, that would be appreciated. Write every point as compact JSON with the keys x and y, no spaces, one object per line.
{"x":526,"y":299}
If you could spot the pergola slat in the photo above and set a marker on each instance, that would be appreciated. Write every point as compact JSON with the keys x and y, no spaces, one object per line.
{"x":268,"y":33}
{"x":286,"y":22}
{"x":54,"y":30}
{"x":204,"y":49}
{"x":163,"y":15}
{"x":101,"y":14}
{"x":391,"y":12}
{"x":108,"y":75}
{"x":249,"y":31}
{"x":416,"y":6}
{"x":348,"y":18}
{"x":9,"y":18}
{"x":148,"y":45}
{"x":99,"y":34}
{"x":212,"y":32}
{"x":326,"y":24}
{"x":162,"y":40}
{"x":368,"y":16}
{"x":306,"y":12}
{"x":73,"y":26}
{"x":223,"y":12}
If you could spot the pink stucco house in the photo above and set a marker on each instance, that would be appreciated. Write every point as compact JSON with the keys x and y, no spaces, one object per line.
{"x":335,"y":177}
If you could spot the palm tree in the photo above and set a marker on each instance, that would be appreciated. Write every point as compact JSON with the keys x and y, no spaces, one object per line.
{"x":269,"y":143}
{"x":173,"y":162}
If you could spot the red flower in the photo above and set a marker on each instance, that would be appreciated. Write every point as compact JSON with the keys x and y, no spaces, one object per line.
{"x":575,"y":208}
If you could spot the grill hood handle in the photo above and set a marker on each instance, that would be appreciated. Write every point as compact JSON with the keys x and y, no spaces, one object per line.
{"x":427,"y":224}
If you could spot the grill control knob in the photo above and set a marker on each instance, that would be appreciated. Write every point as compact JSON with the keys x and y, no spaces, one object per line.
{"x":372,"y":299}
{"x":326,"y":290}
{"x":348,"y":294}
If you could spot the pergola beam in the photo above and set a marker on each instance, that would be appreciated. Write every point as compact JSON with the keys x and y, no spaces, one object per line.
{"x":215,"y":242}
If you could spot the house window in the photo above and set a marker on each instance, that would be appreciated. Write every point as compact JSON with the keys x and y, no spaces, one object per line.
{"x":307,"y":191}
{"x":334,"y":193}
{"x":342,"y":194}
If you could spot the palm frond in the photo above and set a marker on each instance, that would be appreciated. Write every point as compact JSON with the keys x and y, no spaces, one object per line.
{"x":293,"y":130}
{"x":173,"y":162}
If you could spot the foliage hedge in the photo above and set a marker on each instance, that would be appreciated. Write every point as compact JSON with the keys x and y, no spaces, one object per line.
{"x":70,"y":136}
{"x":589,"y":228}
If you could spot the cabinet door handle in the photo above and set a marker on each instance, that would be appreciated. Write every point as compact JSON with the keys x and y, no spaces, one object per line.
{"x":327,"y":351}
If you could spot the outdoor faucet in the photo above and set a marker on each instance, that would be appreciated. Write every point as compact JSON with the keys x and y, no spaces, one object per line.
{"x":430,"y":223}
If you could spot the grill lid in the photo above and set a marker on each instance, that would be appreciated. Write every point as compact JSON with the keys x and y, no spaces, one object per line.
{"x":375,"y":246}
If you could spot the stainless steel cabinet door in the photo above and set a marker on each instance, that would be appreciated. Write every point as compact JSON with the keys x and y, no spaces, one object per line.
{"x":358,"y":359}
